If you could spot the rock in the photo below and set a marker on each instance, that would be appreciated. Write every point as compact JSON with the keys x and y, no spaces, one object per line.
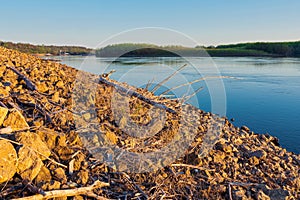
{"x":254,"y":160}
{"x":53,"y":185}
{"x":29,"y":163}
{"x":48,"y":136}
{"x":258,"y":154}
{"x":219,"y":157}
{"x":296,"y":182}
{"x":33,"y":141}
{"x":78,"y":198}
{"x":4,"y":91}
{"x":83,"y":177}
{"x":60,"y":175}
{"x":42,"y":87}
{"x":55,"y":97}
{"x":262,"y":196}
{"x":278,"y":194}
{"x":245,"y":128}
{"x":8,"y":161}
{"x":60,"y":84}
{"x":3,"y":113}
{"x":43,"y":176}
{"x":16,"y":121}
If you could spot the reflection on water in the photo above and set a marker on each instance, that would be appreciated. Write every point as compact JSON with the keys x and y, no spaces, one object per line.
{"x":264,"y":96}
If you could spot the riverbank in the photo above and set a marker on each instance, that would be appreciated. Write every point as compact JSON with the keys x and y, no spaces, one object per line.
{"x":38,"y":105}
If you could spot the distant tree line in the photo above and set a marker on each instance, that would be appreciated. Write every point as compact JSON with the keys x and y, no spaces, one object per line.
{"x":282,"y":49}
{"x":147,"y":50}
{"x":276,"y":49}
{"x":47,"y":49}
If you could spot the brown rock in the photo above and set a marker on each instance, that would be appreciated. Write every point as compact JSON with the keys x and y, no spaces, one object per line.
{"x":29,"y":163}
{"x":60,"y":175}
{"x":53,"y":185}
{"x":33,"y":141}
{"x":83,"y":177}
{"x":3,"y":113}
{"x":55,"y":97}
{"x":48,"y":136}
{"x":8,"y":161}
{"x":43,"y":176}
{"x":16,"y":121}
{"x":42,"y":87}
{"x":258,"y":154}
{"x":245,"y":128}
{"x":4,"y":91}
{"x":60,"y":84}
{"x":254,"y":160}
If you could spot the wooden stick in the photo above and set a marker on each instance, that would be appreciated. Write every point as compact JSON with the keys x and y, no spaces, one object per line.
{"x":30,"y":85}
{"x":168,"y":78}
{"x":9,"y":130}
{"x":39,"y":108}
{"x":149,"y":83}
{"x":185,"y":98}
{"x":135,"y":94}
{"x":69,"y":192}
{"x":135,"y":185}
{"x":194,"y":81}
{"x":191,"y":166}
{"x":3,"y":105}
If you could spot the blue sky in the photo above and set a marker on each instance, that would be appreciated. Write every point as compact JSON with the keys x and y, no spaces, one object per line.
{"x":89,"y":22}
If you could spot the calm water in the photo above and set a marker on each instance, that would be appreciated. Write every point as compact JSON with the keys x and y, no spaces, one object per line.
{"x":263,"y":93}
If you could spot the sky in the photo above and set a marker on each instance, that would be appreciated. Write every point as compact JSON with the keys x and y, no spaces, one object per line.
{"x":90,"y":22}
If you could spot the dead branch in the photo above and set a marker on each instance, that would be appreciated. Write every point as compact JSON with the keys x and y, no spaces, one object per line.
{"x":238,"y":184}
{"x":191,"y":166}
{"x":9,"y":130}
{"x":69,"y":192}
{"x":137,"y":95}
{"x":3,"y":105}
{"x":168,"y":78}
{"x":39,"y":108}
{"x":149,"y":84}
{"x":29,"y":84}
{"x":185,"y":98}
{"x":192,"y":82}
{"x":135,"y":185}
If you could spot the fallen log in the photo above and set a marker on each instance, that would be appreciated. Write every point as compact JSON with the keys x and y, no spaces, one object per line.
{"x":137,"y":95}
{"x":29,"y":84}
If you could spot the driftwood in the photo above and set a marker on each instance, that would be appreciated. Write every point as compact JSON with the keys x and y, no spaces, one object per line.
{"x":149,"y":84}
{"x":191,"y":166}
{"x":88,"y":191}
{"x":30,"y":85}
{"x":9,"y":130}
{"x":2,"y":104}
{"x":194,"y":81}
{"x":137,"y":95}
{"x":187,"y":97}
{"x":168,"y":78}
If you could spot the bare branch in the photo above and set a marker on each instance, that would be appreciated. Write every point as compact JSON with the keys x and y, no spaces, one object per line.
{"x":168,"y":78}
{"x":70,"y":192}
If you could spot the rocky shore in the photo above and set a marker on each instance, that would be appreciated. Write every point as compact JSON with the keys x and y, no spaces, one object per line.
{"x":43,"y":153}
